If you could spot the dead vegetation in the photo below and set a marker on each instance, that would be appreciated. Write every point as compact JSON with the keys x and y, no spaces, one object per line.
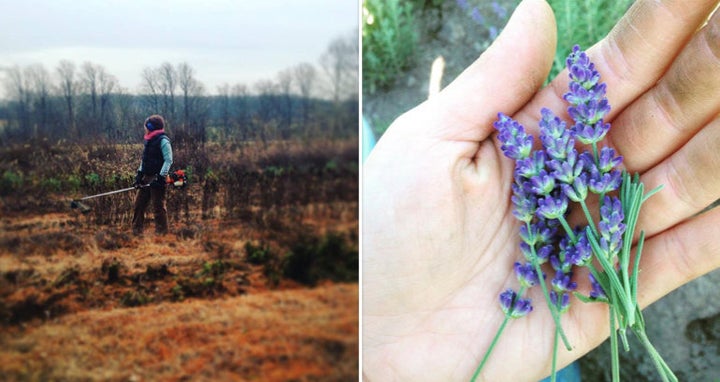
{"x":81,"y":298}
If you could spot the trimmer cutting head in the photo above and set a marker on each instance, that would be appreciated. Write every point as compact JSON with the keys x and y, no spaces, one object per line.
{"x":82,"y":207}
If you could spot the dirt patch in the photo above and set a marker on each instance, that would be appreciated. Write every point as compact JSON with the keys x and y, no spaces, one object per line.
{"x":459,"y":31}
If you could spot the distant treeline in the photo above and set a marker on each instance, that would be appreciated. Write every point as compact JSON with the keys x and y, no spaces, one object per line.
{"x":233,"y":117}
{"x":87,"y":104}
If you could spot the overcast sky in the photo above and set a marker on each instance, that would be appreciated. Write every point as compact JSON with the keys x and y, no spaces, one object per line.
{"x":233,"y":41}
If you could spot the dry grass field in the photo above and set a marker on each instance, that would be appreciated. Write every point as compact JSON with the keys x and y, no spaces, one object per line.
{"x":257,"y":279}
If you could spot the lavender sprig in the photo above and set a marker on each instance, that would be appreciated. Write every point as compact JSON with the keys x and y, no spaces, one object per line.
{"x":532,"y":199}
{"x":548,"y":182}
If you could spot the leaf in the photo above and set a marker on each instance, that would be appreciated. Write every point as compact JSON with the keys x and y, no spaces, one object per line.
{"x":587,"y":299}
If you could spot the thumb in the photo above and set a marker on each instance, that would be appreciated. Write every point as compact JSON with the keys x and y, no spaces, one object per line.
{"x":503,"y":78}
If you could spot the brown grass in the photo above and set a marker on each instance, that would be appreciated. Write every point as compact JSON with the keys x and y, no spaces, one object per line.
{"x":273,"y":336}
{"x":83,"y":299}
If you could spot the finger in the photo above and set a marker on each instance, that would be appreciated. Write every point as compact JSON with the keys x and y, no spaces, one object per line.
{"x":690,"y":182}
{"x":632,"y":57}
{"x":679,"y":255}
{"x":503,"y":79}
{"x":683,"y":101}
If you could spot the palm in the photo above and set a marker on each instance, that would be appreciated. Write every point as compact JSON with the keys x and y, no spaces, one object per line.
{"x":443,"y":287}
{"x":439,"y":238}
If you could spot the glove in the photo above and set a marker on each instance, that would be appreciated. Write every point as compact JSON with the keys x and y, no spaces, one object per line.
{"x":159,"y":182}
{"x":138,"y":180}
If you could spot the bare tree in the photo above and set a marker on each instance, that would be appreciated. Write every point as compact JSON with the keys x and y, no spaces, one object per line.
{"x":284,"y":85}
{"x":195,"y":111}
{"x":127,"y":114}
{"x":305,"y":76}
{"x":68,"y":89}
{"x":224,"y":98}
{"x":89,"y":79}
{"x":168,"y":83}
{"x":151,"y":87}
{"x":106,"y":85}
{"x":38,"y":80}
{"x":187,"y":83}
{"x":241,"y":116}
{"x":17,"y":89}
{"x":267,"y":105}
{"x":266,"y":91}
{"x":340,"y":63}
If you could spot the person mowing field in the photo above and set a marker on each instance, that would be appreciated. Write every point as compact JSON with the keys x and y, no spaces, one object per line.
{"x":152,"y":176}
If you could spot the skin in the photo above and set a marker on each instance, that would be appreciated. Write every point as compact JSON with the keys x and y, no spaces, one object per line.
{"x":439,"y":238}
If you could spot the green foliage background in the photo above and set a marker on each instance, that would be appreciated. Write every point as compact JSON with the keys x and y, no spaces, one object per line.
{"x":389,"y":39}
{"x":390,"y":33}
{"x":583,"y":22}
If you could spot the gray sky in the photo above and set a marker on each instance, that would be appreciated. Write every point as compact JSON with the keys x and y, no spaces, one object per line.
{"x":234,"y":41}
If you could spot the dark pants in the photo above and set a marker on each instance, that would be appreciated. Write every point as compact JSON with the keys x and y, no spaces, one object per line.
{"x":144,"y":196}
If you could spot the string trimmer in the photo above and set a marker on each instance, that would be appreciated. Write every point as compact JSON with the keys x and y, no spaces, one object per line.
{"x":177,"y":179}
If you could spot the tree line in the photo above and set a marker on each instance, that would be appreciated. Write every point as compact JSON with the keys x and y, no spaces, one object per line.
{"x":85,"y":103}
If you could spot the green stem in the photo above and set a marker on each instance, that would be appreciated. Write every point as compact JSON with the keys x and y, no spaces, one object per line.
{"x":614,"y":346}
{"x":568,"y":230}
{"x":497,"y":337}
{"x":490,"y":349}
{"x":615,"y":284}
{"x":595,"y":154}
{"x":553,"y":310}
{"x":662,"y":368}
{"x":588,"y":216}
{"x":553,"y":372}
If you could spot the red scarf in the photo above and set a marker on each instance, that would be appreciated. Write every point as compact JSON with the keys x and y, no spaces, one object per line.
{"x":153,"y":134}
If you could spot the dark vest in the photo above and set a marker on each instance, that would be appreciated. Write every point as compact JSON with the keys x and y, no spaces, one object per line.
{"x":152,"y":159}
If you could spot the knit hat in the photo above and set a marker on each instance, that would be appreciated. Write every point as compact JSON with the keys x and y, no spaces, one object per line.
{"x":155,"y":122}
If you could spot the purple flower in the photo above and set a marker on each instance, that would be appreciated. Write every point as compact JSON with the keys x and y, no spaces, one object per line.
{"x":611,"y":226}
{"x":581,"y":69}
{"x":588,"y":134}
{"x":530,"y":166}
{"x":516,"y":144}
{"x":531,"y":253}
{"x":588,"y":102}
{"x":543,"y":253}
{"x":567,"y":170}
{"x":542,"y":183}
{"x":581,"y":253}
{"x":591,"y":113}
{"x":526,"y":274}
{"x":604,"y":183}
{"x":611,"y":216}
{"x":562,"y":282}
{"x":493,"y":31}
{"x":555,"y":137}
{"x":579,"y":95}
{"x":500,"y":12}
{"x":578,"y":190}
{"x":611,"y":245}
{"x":528,"y":250}
{"x":529,"y":236}
{"x":552,"y":207}
{"x":539,"y":232}
{"x":608,"y":161}
{"x":463,"y":4}
{"x":477,"y":16}
{"x":564,"y":301}
{"x":597,"y":292}
{"x":559,"y":264}
{"x":547,"y":230}
{"x":524,"y":203}
{"x":514,"y":306}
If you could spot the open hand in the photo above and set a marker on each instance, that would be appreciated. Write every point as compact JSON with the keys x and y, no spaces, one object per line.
{"x":439,"y":238}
